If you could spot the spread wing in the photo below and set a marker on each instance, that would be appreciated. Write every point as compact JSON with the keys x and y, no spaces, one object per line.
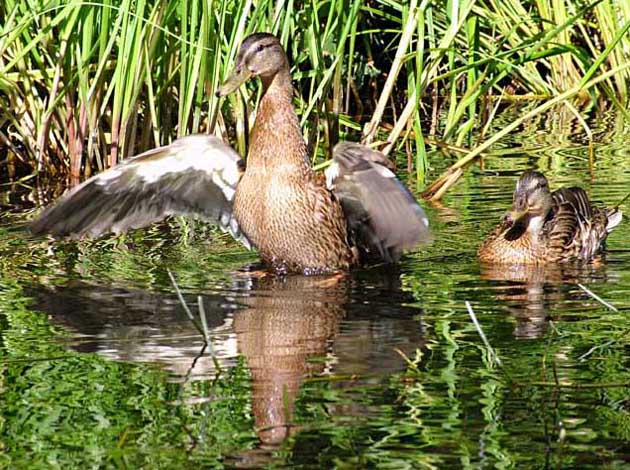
{"x":195,"y":175}
{"x":383,"y":216}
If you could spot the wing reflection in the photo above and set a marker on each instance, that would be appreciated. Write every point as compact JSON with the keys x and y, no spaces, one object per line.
{"x":135,"y":325}
{"x":286,"y":329}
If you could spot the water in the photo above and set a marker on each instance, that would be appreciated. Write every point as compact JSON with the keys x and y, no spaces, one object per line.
{"x":380,"y":368}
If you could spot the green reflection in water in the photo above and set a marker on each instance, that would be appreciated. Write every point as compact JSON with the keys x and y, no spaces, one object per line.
{"x":382,"y":369}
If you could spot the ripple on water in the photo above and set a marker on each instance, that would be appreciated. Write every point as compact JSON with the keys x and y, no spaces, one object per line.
{"x":381,"y":367}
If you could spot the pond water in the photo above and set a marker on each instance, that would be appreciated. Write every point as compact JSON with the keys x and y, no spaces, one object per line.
{"x":381,"y":368}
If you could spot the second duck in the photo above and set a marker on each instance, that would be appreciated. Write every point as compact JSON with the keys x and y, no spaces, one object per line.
{"x":547,"y":227}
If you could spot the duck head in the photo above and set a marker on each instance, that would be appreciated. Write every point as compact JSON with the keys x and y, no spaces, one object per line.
{"x":532,"y":201}
{"x":260,"y":55}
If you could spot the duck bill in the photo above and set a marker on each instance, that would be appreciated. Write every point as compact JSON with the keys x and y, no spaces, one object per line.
{"x":239,"y":76}
{"x":518,"y":215}
{"x":515,"y":215}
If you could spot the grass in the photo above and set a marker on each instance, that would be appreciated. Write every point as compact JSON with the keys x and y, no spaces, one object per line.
{"x":84,"y":84}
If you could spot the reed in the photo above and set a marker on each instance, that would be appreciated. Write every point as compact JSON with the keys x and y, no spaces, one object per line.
{"x":86,"y":83}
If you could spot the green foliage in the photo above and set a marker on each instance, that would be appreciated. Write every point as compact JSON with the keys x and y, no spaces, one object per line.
{"x":84,"y":84}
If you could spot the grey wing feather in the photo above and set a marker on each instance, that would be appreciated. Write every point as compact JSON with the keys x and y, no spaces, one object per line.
{"x":195,"y":175}
{"x":380,"y":210}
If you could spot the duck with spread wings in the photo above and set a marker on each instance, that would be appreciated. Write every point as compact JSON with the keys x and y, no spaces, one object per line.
{"x":299,"y":221}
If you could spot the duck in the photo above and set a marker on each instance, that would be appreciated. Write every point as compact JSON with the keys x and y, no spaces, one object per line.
{"x":356,"y":213}
{"x":545,"y":227}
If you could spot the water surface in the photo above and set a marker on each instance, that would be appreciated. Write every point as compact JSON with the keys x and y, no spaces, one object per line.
{"x":380,"y":368}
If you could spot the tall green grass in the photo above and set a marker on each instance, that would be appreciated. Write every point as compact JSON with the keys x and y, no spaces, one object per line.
{"x":84,"y":84}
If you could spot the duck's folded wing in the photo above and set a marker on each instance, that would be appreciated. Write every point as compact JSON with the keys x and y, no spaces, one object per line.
{"x":577,"y":198}
{"x":573,"y":215}
{"x":195,"y":175}
{"x":379,"y":208}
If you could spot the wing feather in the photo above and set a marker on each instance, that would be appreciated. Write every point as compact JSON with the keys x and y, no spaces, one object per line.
{"x":380,"y":210}
{"x":577,"y":226}
{"x":195,"y":175}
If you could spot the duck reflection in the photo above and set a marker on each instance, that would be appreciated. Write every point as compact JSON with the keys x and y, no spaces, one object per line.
{"x":287,"y":329}
{"x":287,"y":322}
{"x":352,"y":324}
{"x":536,"y":294}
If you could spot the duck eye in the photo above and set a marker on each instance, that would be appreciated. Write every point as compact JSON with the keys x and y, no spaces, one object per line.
{"x":260,"y":47}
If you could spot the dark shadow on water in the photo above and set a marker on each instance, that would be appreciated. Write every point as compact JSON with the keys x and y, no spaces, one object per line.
{"x":287,"y":329}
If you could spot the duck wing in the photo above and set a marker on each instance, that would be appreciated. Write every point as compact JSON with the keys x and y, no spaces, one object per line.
{"x":383,"y":216}
{"x":195,"y":175}
{"x":576,"y":227}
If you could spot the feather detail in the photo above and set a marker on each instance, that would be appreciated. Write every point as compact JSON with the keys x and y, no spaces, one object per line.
{"x":383,"y":216}
{"x":195,"y":175}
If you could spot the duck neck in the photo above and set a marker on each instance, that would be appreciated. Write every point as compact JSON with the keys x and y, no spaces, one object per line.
{"x":276,"y":138}
{"x":537,"y":221}
{"x":535,"y":225}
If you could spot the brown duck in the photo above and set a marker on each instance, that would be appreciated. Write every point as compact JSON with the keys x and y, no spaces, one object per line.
{"x":298,"y":221}
{"x":547,"y":227}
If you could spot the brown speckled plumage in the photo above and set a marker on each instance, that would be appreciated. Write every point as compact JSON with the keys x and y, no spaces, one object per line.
{"x":548,"y":227}
{"x":278,"y":177}
{"x":284,"y":208}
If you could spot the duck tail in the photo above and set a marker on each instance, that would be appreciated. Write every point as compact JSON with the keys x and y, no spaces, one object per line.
{"x":614,"y":218}
{"x":614,"y":215}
